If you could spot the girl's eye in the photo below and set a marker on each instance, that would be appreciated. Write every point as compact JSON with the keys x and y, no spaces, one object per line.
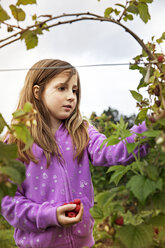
{"x":75,"y":91}
{"x":61,"y":88}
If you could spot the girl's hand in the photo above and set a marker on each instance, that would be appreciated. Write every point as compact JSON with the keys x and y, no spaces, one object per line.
{"x":67,"y":221}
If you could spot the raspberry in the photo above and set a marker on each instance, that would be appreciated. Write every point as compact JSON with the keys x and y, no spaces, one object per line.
{"x":71,"y":214}
{"x":77,"y":209}
{"x":77,"y":201}
{"x":160,"y":58}
{"x":119,"y":221}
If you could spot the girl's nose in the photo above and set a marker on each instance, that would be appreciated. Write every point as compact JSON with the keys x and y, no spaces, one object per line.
{"x":70,"y":96}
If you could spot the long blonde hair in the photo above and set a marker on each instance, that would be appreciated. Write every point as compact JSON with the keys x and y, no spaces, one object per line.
{"x":40,"y":74}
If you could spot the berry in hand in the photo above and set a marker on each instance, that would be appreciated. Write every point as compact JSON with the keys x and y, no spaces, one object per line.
{"x":75,"y":211}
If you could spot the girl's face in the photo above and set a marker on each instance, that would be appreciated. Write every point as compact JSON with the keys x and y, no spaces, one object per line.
{"x":60,"y":98}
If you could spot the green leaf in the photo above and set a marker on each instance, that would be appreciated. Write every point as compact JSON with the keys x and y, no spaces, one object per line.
{"x":158,"y":220}
{"x":161,"y":121}
{"x":18,"y":113}
{"x":13,"y":174}
{"x":119,"y":172}
{"x":133,"y":9}
{"x":131,"y":147}
{"x":142,"y":187}
{"x":152,"y":133}
{"x":25,"y":2}
{"x":2,"y":123}
{"x":142,"y":114}
{"x":143,"y":12}
{"x":27,"y":107}
{"x":138,"y":97}
{"x":19,"y":166}
{"x":107,"y":12}
{"x":102,"y":197}
{"x":8,"y":151}
{"x":97,"y":212}
{"x":120,"y":5}
{"x":18,"y":13}
{"x":23,"y":134}
{"x":136,"y":236}
{"x":31,"y":39}
{"x":3,"y":15}
{"x":112,"y":141}
{"x":130,"y":17}
{"x":158,"y":200}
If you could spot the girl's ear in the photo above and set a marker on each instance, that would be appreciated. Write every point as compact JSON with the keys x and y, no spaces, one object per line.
{"x":36,"y":91}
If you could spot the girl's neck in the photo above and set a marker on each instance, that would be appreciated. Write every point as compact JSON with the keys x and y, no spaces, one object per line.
{"x":55,"y":127}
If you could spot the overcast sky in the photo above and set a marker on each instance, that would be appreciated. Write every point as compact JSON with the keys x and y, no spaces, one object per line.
{"x":83,"y":43}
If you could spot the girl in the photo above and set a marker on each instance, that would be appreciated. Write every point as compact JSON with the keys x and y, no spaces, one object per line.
{"x":57,"y":165}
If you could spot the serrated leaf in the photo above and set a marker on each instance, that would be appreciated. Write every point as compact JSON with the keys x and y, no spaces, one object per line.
{"x":161,"y":121}
{"x":102,"y":197}
{"x":17,"y":13}
{"x":119,"y":172}
{"x":2,"y":123}
{"x":27,"y":107}
{"x":142,"y":114}
{"x":136,"y":236}
{"x":3,"y":15}
{"x":97,"y":212}
{"x":131,"y":147}
{"x":132,"y":8}
{"x":120,"y":5}
{"x":143,"y":12}
{"x":107,"y":12}
{"x":152,"y":133}
{"x":19,"y":166}
{"x":23,"y":134}
{"x":13,"y":174}
{"x":138,"y":97}
{"x":25,"y":2}
{"x":158,"y":200}
{"x":8,"y":151}
{"x":18,"y":113}
{"x":142,"y":187}
{"x":158,"y":220}
{"x":31,"y":39}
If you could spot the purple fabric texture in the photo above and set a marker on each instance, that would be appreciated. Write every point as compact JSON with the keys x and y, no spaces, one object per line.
{"x":32,"y":211}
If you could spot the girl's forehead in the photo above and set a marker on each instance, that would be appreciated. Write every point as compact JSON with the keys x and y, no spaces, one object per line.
{"x":64,"y":78}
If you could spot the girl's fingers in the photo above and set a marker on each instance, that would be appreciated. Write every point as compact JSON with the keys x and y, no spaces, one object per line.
{"x":65,"y":220}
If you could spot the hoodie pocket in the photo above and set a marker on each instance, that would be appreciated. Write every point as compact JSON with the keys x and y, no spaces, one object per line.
{"x":85,"y":227}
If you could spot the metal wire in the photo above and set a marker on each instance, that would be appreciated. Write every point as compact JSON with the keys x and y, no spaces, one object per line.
{"x":67,"y":67}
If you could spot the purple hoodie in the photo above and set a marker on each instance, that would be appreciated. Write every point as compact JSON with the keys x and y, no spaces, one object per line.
{"x":32,"y":211}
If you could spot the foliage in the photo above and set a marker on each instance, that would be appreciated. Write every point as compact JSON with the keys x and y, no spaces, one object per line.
{"x":12,"y":171}
{"x":136,"y":192}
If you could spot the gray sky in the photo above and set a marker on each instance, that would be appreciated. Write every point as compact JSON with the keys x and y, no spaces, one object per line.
{"x":83,"y":43}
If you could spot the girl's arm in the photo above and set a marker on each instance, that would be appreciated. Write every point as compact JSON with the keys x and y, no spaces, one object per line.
{"x":27,"y":215}
{"x":116,"y":154}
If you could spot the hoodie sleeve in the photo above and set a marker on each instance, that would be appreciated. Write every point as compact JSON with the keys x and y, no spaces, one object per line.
{"x":26,"y":215}
{"x":116,"y":154}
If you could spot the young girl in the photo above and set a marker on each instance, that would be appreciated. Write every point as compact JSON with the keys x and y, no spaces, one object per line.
{"x":57,"y":165}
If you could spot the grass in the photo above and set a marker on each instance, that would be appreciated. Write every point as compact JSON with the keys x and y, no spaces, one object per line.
{"x":6,"y":234}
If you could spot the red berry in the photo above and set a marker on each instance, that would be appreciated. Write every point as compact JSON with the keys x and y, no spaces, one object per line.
{"x":77,"y":209}
{"x":158,"y":103}
{"x":119,"y":221}
{"x":71,"y":214}
{"x":71,"y":202}
{"x":160,"y":58}
{"x":65,"y":204}
{"x":156,"y":230}
{"x":77,"y":201}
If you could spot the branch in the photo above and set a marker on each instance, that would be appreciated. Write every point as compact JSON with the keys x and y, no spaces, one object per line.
{"x":82,"y":17}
